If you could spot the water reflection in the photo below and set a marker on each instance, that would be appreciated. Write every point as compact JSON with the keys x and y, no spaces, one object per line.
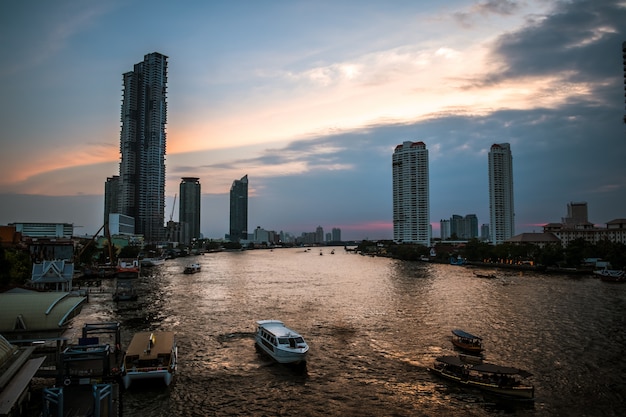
{"x":374,"y":326}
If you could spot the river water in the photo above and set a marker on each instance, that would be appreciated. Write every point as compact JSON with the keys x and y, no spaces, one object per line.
{"x":374,"y":325}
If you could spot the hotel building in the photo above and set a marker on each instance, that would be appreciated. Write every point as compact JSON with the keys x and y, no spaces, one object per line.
{"x":501,"y":208}
{"x":411,"y":203}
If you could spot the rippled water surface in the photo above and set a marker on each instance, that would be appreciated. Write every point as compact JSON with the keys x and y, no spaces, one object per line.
{"x":374,"y":325}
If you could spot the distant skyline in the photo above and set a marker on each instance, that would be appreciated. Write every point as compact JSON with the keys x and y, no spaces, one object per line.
{"x":309,"y":99}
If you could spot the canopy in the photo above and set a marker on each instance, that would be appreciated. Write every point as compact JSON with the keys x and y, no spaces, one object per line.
{"x":498,"y":369}
{"x":451,"y":360}
{"x":461,"y":333}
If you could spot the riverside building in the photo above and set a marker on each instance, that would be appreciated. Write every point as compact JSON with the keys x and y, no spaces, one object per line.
{"x":189,"y":209}
{"x":142,"y":146}
{"x":411,"y":204}
{"x":501,"y":208}
{"x":239,"y":210}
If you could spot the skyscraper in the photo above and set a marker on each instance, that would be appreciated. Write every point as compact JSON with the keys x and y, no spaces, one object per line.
{"x":111,"y":196}
{"x":239,"y":210}
{"x":624,"y":65}
{"x":501,"y":208}
{"x":411,"y":202}
{"x":142,"y":146}
{"x":189,"y":209}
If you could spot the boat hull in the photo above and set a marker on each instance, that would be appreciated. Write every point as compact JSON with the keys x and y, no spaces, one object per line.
{"x":519,"y":392}
{"x":141,"y":375}
{"x":294,"y":356}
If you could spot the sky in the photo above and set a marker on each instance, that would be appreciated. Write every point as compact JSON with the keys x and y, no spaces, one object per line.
{"x":309,"y":99}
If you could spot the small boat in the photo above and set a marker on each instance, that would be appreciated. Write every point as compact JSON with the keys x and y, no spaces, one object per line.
{"x":484,"y":275}
{"x":150,"y":355}
{"x":128,"y":268}
{"x":148,"y":262}
{"x":457,"y":261}
{"x":192,"y":269}
{"x":503,"y":381}
{"x":281,"y":343}
{"x":467,"y":341}
{"x":125,"y":291}
{"x":611,"y":275}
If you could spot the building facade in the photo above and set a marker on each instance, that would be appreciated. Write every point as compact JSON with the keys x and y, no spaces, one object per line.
{"x":111,"y":196}
{"x":501,"y":207}
{"x":624,"y":65}
{"x":142,"y":146}
{"x":411,"y":195}
{"x":189,"y":209}
{"x":239,"y":210}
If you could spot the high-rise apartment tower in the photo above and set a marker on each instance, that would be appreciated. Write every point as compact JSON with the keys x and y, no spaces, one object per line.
{"x":189,"y":209}
{"x":142,"y":146}
{"x":239,"y":210}
{"x":624,"y":65}
{"x":411,"y":202}
{"x":501,"y":208}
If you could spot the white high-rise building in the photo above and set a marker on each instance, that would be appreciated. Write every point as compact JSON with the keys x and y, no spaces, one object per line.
{"x":411,"y":202}
{"x":501,"y":208}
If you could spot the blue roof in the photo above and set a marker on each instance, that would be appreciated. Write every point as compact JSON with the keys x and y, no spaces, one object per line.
{"x":461,"y":333}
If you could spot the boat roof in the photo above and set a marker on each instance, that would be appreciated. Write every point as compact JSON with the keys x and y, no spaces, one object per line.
{"x":277,"y":328}
{"x":484,"y":367}
{"x":162,"y":343}
{"x":499,"y":369}
{"x":451,"y":360}
{"x":461,"y":333}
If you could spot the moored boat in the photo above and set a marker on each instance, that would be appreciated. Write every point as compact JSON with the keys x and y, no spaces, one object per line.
{"x":192,"y":269}
{"x":281,"y":343}
{"x":148,"y":262}
{"x":128,"y":268}
{"x":125,"y":291}
{"x":611,"y":275}
{"x":501,"y":380}
{"x":150,"y":355}
{"x":467,"y":341}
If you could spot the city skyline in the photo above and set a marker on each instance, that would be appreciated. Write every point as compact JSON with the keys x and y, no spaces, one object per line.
{"x":310,"y":100}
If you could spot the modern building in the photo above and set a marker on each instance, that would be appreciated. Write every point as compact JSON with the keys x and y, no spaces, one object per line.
{"x":459,"y":227}
{"x":189,"y":209}
{"x":624,"y":65}
{"x":142,"y":146}
{"x":111,"y":196}
{"x":319,"y":234}
{"x":411,"y":202}
{"x":239,"y":210}
{"x":336,"y":234}
{"x":501,"y":207}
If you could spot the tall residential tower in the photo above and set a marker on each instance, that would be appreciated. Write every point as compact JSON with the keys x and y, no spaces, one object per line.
{"x":142,"y":146}
{"x":501,"y":208}
{"x":189,"y":209}
{"x":411,"y":202}
{"x":239,"y":210}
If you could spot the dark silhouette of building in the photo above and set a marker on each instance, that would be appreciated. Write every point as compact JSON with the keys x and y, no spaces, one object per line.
{"x":239,"y":210}
{"x":189,"y":211}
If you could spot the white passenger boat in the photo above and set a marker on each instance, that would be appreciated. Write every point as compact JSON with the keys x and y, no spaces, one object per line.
{"x":150,"y":355}
{"x":281,"y":343}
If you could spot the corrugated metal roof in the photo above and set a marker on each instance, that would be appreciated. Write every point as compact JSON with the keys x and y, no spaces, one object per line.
{"x":6,"y":350}
{"x":37,"y":311}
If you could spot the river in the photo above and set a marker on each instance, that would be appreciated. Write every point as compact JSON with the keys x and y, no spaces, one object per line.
{"x":374,"y":325}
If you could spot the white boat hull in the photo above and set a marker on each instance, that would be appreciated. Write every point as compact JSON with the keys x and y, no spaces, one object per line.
{"x":283,"y":355}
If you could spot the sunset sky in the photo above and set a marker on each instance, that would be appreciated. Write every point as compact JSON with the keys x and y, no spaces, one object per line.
{"x":309,"y":99}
